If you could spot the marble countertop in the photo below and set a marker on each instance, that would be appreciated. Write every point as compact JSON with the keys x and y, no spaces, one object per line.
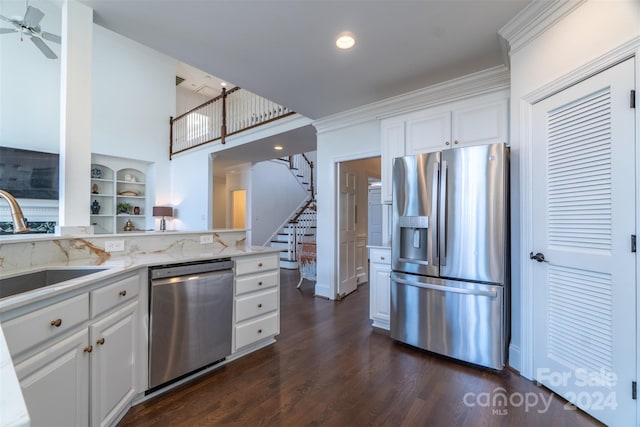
{"x":113,"y":267}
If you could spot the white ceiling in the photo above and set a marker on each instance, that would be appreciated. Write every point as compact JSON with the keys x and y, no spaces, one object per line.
{"x":285,"y":50}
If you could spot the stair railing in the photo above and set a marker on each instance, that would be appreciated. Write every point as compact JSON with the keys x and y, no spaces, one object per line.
{"x":229,"y":113}
{"x":303,"y":168}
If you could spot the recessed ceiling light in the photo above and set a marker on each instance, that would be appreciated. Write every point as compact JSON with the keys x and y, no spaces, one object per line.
{"x":345,"y":41}
{"x":223,"y":84}
{"x":278,"y":147}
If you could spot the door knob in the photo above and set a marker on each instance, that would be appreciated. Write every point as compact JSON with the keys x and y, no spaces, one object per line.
{"x":538,"y":257}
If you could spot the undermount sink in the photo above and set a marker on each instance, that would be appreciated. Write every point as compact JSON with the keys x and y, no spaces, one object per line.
{"x":39,"y":279}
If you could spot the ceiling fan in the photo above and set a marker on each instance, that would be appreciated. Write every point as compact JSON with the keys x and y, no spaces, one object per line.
{"x":29,"y":25}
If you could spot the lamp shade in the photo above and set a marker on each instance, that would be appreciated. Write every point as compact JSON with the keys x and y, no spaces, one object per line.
{"x":162,"y":211}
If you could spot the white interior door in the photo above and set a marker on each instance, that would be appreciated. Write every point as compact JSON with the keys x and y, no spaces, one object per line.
{"x":348,"y":236}
{"x":584,"y":200}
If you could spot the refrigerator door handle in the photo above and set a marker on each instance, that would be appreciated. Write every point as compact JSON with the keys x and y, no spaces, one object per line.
{"x":442,"y":223}
{"x":434,"y":257}
{"x":490,"y":294}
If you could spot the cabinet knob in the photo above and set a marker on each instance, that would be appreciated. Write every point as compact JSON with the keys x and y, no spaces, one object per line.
{"x":88,"y":349}
{"x":456,"y":142}
{"x":259,"y":305}
{"x":259,"y":331}
{"x":122,"y":293}
{"x":260,"y":283}
{"x":56,"y":323}
{"x":446,"y":143}
{"x":100,"y":341}
{"x":259,"y":264}
{"x":382,"y":258}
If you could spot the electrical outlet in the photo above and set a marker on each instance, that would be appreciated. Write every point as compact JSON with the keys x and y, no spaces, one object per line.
{"x":114,"y":245}
{"x":206,"y":238}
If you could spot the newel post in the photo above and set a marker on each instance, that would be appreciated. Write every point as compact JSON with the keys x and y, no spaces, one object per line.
{"x":223,"y":129}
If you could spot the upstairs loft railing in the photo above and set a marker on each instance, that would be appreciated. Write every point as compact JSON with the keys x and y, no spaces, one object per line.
{"x":231,"y":112}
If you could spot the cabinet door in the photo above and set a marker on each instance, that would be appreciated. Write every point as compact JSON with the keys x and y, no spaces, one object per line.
{"x":113,"y":375}
{"x":480,"y":124}
{"x":55,"y":383}
{"x":380,"y":305}
{"x":428,"y":132}
{"x":392,"y":146}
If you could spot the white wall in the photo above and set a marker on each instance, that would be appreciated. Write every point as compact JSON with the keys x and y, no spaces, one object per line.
{"x":134,"y":96}
{"x":275,"y":194}
{"x":219,"y":204}
{"x":29,"y":84}
{"x":349,"y":143}
{"x":593,"y":29}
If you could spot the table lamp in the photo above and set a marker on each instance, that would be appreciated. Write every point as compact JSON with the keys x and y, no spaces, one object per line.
{"x":163,"y":211}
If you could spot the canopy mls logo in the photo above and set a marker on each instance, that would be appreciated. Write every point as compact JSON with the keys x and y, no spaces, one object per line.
{"x":500,"y":401}
{"x":589,"y":390}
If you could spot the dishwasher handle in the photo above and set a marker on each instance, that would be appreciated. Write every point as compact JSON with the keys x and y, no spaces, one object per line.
{"x":182,"y":279}
{"x":187,"y":269}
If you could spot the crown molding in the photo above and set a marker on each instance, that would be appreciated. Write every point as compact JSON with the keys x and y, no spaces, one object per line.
{"x":536,"y":18}
{"x":479,"y":83}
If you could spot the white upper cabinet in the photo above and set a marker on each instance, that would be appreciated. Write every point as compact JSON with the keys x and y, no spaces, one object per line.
{"x":475,"y":121}
{"x":427,"y":132}
{"x":481,"y":124}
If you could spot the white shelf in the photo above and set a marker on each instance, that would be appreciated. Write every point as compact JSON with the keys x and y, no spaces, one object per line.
{"x":111,"y":182}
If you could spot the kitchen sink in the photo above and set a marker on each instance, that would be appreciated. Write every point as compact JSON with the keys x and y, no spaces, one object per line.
{"x":39,"y":279}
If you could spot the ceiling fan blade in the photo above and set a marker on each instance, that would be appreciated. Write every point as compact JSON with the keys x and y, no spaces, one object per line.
{"x":51,"y":37}
{"x":4,"y":18}
{"x":32,"y":17}
{"x":7,"y":30}
{"x":43,"y":47}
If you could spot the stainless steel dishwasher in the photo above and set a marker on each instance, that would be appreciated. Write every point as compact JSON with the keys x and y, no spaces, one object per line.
{"x":190,"y":318}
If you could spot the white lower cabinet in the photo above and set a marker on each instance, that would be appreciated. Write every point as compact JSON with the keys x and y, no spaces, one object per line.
{"x":256,"y":315}
{"x":380,"y":287}
{"x":89,"y":376}
{"x":55,"y":383}
{"x":113,"y":375}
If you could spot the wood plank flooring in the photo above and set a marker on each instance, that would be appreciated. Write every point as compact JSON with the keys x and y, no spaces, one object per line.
{"x":330,"y":368}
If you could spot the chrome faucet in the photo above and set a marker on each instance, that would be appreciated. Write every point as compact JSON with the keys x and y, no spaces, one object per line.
{"x":17,"y":217}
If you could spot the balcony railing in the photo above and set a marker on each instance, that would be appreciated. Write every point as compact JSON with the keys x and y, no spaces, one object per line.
{"x":231,"y":112}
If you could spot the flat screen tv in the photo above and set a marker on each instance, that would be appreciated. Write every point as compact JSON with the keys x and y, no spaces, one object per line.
{"x":29,"y":174}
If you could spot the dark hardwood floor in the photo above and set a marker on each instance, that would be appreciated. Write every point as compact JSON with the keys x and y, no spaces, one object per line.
{"x":330,"y":368}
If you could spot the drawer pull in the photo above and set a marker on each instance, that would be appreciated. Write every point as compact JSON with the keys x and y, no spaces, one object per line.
{"x":100,"y":341}
{"x":381,"y":258}
{"x":260,"y":283}
{"x":88,"y":349}
{"x":122,"y":293}
{"x":259,"y":331}
{"x":259,"y":264}
{"x":56,"y":323}
{"x":259,"y":305}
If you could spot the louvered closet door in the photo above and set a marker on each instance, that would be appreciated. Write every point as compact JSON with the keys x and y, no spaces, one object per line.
{"x":584,"y":199}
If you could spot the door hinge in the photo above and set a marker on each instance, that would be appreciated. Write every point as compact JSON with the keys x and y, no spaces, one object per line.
{"x":633,"y":243}
{"x":632,"y":99}
{"x":634,"y":390}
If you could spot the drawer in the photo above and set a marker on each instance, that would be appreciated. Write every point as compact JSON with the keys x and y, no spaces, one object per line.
{"x":255,"y":264}
{"x":256,"y":304}
{"x":46,"y":323}
{"x":112,"y":295}
{"x":256,"y":330}
{"x":380,"y":256}
{"x":256,"y":282}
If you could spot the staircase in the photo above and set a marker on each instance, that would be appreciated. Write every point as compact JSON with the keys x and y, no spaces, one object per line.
{"x":301,"y":225}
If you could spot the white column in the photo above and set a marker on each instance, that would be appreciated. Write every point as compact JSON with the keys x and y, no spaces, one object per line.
{"x":75,"y":117}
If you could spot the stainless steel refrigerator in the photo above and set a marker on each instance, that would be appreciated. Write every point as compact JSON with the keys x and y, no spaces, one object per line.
{"x":450,"y":253}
